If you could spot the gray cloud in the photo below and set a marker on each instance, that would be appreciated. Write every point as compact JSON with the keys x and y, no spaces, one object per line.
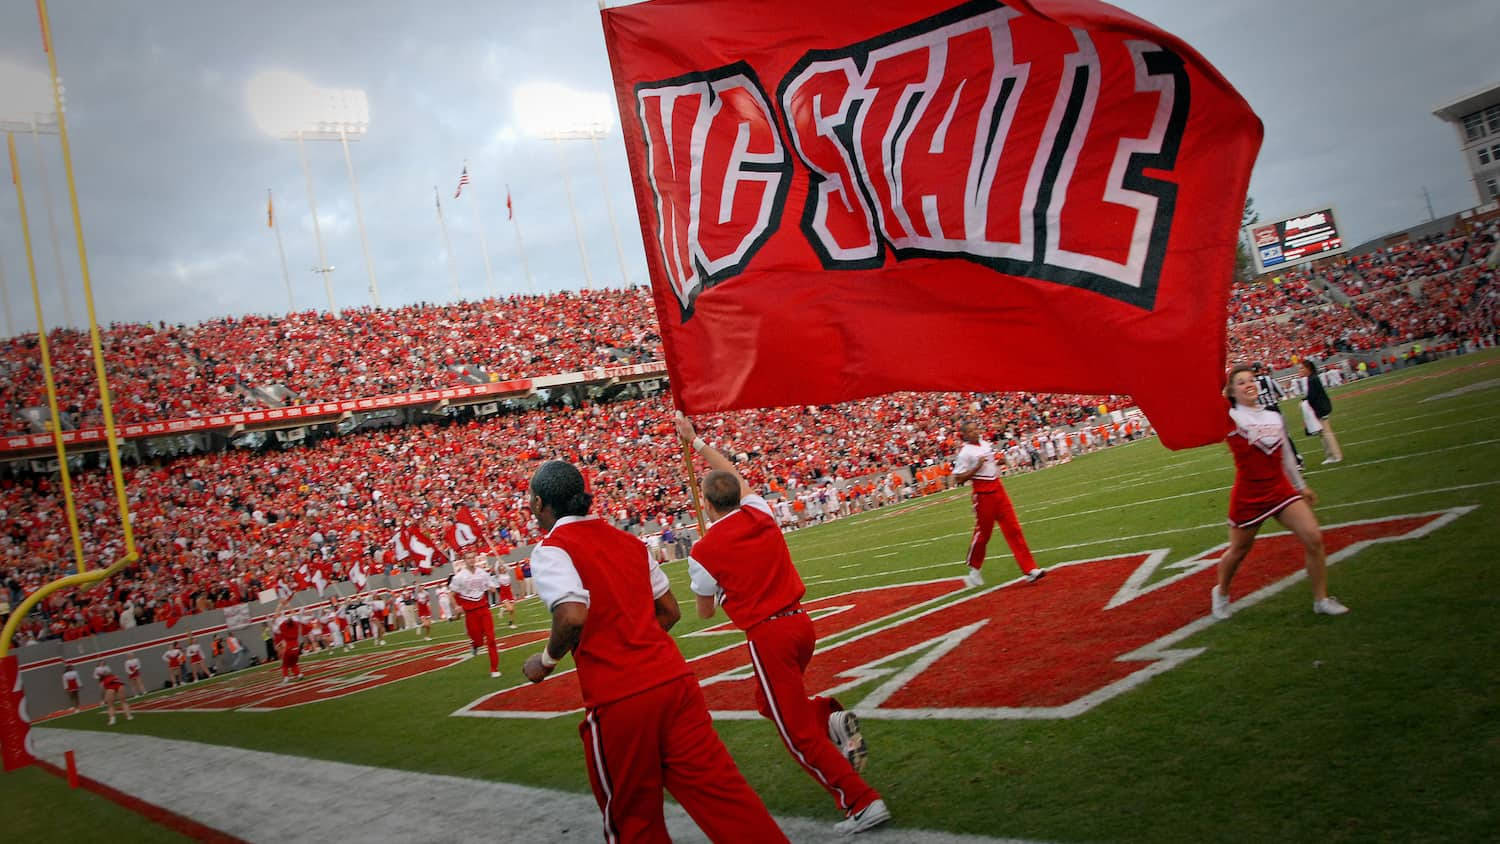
{"x":172,"y":172}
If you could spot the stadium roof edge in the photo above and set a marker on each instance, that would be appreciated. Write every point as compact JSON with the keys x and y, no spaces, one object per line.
{"x":1469,"y":103}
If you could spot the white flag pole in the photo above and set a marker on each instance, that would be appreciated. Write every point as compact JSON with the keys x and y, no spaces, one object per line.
{"x":520,"y":247}
{"x":448,"y":244}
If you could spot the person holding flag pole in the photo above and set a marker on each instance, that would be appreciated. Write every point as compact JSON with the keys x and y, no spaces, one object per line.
{"x":742,"y":563}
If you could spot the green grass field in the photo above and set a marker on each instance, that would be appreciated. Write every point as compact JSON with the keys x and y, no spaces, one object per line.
{"x":1383,"y":724}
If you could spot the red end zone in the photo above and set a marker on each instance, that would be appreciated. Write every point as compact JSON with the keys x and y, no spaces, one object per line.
{"x":1092,"y":630}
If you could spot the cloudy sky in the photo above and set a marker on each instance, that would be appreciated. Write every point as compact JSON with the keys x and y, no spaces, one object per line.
{"x":173,"y":170}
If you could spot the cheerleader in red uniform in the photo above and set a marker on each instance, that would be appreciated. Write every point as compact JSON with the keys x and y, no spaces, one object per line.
{"x":1267,"y":483}
{"x":112,"y":690}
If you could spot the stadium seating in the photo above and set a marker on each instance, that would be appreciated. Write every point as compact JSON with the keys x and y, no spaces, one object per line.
{"x":216,"y":529}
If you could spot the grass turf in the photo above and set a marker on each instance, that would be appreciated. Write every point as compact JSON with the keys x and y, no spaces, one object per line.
{"x":1382,"y":724}
{"x":37,"y":806}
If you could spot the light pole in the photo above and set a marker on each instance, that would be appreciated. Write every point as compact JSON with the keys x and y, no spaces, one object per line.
{"x":288,"y":107}
{"x":592,"y":134}
{"x":558,"y":113}
{"x":323,"y":268}
{"x":583,"y":255}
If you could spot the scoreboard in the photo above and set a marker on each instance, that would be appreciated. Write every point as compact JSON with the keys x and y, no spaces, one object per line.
{"x":1295,"y":240}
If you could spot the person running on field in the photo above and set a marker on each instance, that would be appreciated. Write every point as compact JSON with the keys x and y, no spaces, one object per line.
{"x":976,"y":462}
{"x":469,"y":585}
{"x":743,"y":563}
{"x":1267,"y":483}
{"x":645,"y":726}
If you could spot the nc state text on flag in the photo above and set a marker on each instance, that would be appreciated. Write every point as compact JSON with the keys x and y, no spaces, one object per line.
{"x":1029,"y":182}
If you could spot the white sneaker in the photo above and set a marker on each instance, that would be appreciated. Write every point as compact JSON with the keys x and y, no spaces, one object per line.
{"x":974,"y":578}
{"x":869,"y":817}
{"x":1329,"y":606}
{"x":494,"y":673}
{"x":843,"y":730}
{"x":1036,"y":574}
{"x":129,"y":717}
{"x":1220,"y":603}
{"x":111,"y":720}
{"x":1328,"y":460}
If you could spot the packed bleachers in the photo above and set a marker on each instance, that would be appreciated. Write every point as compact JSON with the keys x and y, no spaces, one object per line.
{"x":160,"y":372}
{"x":216,"y":529}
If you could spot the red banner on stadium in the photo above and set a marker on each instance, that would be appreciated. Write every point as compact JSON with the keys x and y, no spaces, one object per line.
{"x":844,"y":198}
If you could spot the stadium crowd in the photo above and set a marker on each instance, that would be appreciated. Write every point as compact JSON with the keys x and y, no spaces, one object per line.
{"x":174,"y":371}
{"x":217,"y":529}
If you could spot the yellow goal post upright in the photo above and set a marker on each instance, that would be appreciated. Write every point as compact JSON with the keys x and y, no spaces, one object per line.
{"x":14,"y":742}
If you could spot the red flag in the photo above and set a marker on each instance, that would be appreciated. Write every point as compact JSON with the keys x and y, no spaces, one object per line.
{"x":423,"y":549}
{"x":468,"y":529}
{"x":843,"y":199}
{"x":510,"y":213}
{"x":358,"y":574}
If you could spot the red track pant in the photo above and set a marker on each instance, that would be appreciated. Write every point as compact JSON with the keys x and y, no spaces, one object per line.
{"x":481,"y":627}
{"x":989,"y":508}
{"x":290,"y":654}
{"x":780,"y":649}
{"x":662,"y":738}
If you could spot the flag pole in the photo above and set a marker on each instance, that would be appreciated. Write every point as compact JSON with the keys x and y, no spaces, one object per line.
{"x":692,"y":484}
{"x":520,"y":247}
{"x":448,"y":244}
{"x":484,"y":248}
{"x":276,"y":227}
{"x":62,"y":283}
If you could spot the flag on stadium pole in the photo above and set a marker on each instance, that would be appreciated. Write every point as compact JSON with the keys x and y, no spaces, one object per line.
{"x":319,"y":579}
{"x":358,"y":575}
{"x":270,"y":211}
{"x":844,"y":199}
{"x":463,"y":179}
{"x":510,"y":213}
{"x":399,"y":542}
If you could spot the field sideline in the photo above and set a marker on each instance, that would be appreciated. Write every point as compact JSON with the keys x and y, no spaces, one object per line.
{"x":1277,"y":724}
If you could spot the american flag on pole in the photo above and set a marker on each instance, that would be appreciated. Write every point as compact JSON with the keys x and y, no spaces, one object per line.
{"x":510,"y":213}
{"x":463,"y":179}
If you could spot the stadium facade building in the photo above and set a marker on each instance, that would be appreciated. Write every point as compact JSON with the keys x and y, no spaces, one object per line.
{"x":1476,"y":116}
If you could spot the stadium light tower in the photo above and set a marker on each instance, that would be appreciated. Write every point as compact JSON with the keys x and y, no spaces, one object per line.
{"x":26,"y":106}
{"x":558,"y":113}
{"x":288,"y":107}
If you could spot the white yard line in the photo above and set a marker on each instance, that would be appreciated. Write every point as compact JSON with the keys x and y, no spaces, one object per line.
{"x":275,"y":798}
